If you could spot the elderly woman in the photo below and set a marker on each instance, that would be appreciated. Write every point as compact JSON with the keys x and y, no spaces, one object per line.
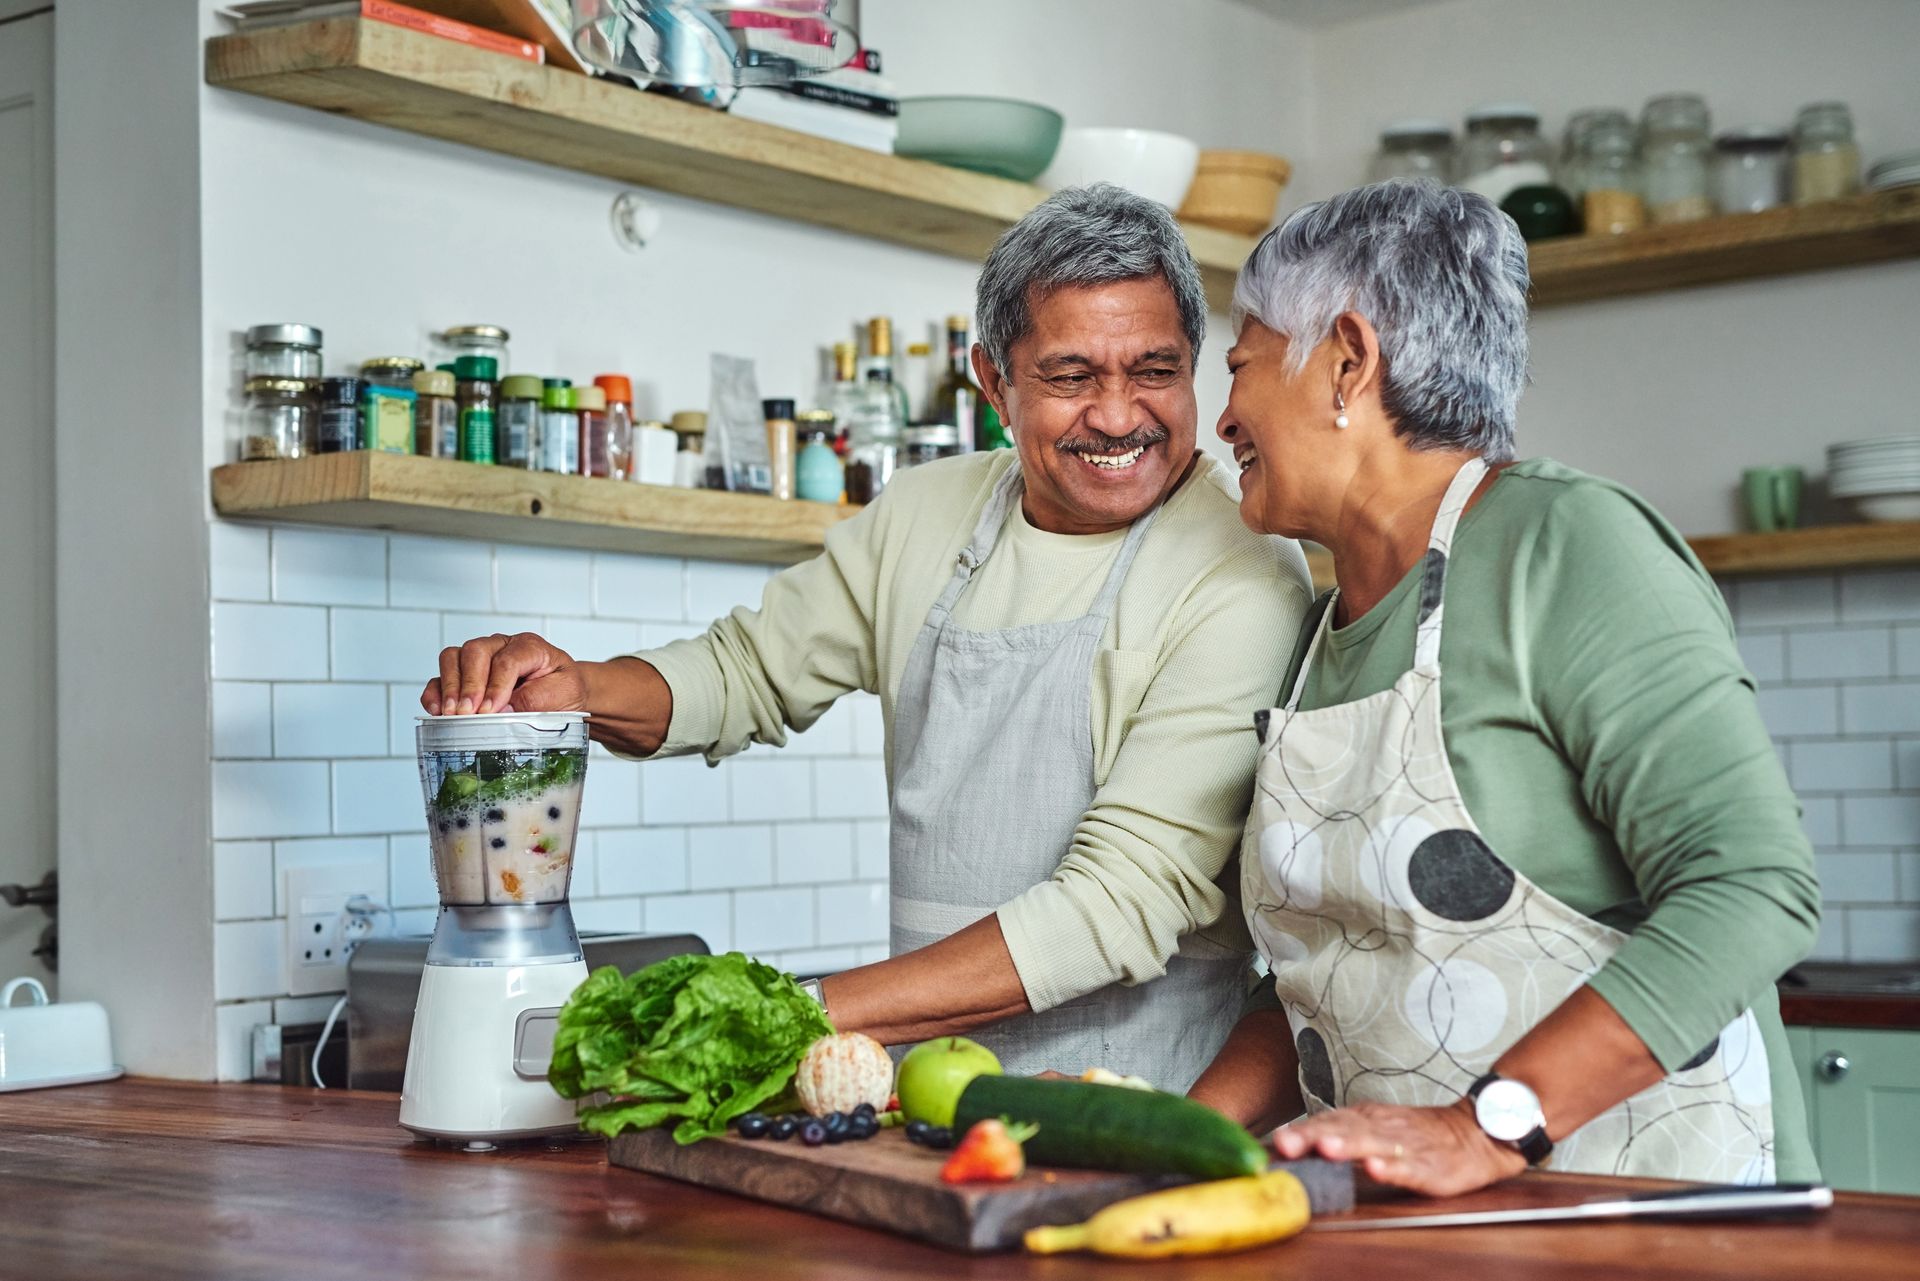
{"x":1521,"y":858}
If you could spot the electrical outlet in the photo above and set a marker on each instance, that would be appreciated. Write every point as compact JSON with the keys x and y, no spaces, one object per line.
{"x":321,"y":932}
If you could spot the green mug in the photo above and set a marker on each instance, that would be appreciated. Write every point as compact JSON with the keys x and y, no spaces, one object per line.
{"x":1773,"y":497}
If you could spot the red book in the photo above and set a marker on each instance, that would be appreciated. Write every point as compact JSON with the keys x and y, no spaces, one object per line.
{"x":400,"y":15}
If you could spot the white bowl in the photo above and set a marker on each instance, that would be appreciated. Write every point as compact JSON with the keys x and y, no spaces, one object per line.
{"x":1888,"y":506}
{"x":1156,"y":165}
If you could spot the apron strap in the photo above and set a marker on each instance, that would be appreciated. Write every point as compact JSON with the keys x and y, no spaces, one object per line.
{"x":1320,"y":626}
{"x":1433,"y":569}
{"x":986,"y":533}
{"x":1117,"y":575}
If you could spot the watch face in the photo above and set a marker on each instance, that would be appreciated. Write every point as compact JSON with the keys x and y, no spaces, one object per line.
{"x":1507,"y":1110}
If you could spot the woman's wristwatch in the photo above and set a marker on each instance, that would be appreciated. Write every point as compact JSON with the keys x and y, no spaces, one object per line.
{"x":813,"y":989}
{"x":1510,"y":1113}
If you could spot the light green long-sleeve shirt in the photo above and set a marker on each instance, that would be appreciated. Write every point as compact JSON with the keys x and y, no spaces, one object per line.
{"x":1197,"y":643}
{"x":1608,"y":744}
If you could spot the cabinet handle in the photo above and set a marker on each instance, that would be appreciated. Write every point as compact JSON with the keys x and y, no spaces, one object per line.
{"x":1832,"y":1066}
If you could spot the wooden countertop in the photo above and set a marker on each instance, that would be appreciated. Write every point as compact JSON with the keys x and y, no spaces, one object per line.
{"x":1828,"y":994}
{"x":165,"y":1179}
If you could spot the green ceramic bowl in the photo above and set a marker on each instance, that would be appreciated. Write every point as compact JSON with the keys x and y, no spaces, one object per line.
{"x":1000,"y":136}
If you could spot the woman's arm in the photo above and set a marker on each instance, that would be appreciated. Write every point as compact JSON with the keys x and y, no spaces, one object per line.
{"x":1255,"y":1079}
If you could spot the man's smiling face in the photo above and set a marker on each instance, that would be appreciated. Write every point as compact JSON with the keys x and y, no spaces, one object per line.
{"x":1099,"y":396}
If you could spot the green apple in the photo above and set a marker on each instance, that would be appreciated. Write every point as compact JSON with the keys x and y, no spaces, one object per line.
{"x":934,"y":1072}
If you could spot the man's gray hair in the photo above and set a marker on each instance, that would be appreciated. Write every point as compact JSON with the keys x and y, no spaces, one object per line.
{"x":1097,"y":235}
{"x":1440,"y":273}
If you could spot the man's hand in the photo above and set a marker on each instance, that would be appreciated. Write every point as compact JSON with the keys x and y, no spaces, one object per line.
{"x":498,"y":673}
{"x":1433,"y":1151}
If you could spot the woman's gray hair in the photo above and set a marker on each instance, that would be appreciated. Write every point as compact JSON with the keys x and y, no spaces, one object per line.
{"x":1441,"y":274}
{"x":1097,"y":235}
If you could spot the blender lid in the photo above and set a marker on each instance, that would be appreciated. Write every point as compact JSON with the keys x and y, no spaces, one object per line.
{"x":538,"y":720}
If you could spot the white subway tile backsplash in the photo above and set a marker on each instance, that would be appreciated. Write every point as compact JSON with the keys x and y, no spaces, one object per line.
{"x":708,"y":915}
{"x":1883,"y":935}
{"x":872,"y":850}
{"x":542,"y":580}
{"x":269,"y":642}
{"x":1850,"y":765}
{"x":248,"y":959}
{"x":1797,"y":600}
{"x":831,"y":735}
{"x":1839,"y":653}
{"x":812,"y":853}
{"x":242,"y":880}
{"x":415,"y":922}
{"x":377,"y":796}
{"x":233,"y":1035}
{"x":772,"y":920}
{"x":440,"y":573}
{"x":1856,"y":877}
{"x":269,"y":798}
{"x":809,"y":962}
{"x":608,"y":915}
{"x":403,"y":711}
{"x":640,"y":587}
{"x":873,"y":953}
{"x":385,"y":645}
{"x":1831,"y":943}
{"x":770,"y":788}
{"x":684,"y":789}
{"x":1765,"y":654}
{"x":329,"y":567}
{"x":242,"y":720}
{"x":1880,"y":595}
{"x":324,"y":852}
{"x":1881,"y":709}
{"x":330,"y":720}
{"x":1800,"y":711}
{"x":714,"y":588}
{"x":660,"y":635}
{"x":852,"y":914}
{"x":611,"y":797}
{"x":239,"y":561}
{"x":850,"y":788}
{"x":734,"y":857}
{"x":642,"y":860}
{"x":1906,"y":651}
{"x":1907,"y":872}
{"x":458,"y":629}
{"x":1881,"y":820}
{"x":1906,"y":756}
{"x":869,"y":728}
{"x":1820,"y":819}
{"x":410,"y":872}
{"x":593,"y":640}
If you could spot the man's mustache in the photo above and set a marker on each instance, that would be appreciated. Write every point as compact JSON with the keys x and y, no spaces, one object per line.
{"x":1138,"y":438}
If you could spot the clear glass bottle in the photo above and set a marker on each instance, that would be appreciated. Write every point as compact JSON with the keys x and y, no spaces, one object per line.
{"x":873,"y":439}
{"x":842,"y":394}
{"x":1826,"y":160}
{"x":595,"y":452}
{"x":478,"y":391}
{"x":518,"y":426}
{"x":472,"y":340}
{"x":1674,"y":154}
{"x":879,"y":366}
{"x":619,"y":390}
{"x":1612,"y":203}
{"x":279,"y":420}
{"x":1750,"y":169}
{"x":1504,"y":150}
{"x":436,"y":416}
{"x":1570,"y":173}
{"x":1415,"y":149}
{"x":558,"y":448}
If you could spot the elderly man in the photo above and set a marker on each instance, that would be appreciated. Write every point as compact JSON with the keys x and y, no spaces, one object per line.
{"x":1069,"y":640}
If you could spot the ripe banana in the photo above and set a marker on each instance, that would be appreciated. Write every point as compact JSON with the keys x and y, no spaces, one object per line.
{"x":1206,"y":1218}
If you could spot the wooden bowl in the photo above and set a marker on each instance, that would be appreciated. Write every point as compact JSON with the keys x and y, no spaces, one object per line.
{"x":1236,"y":191}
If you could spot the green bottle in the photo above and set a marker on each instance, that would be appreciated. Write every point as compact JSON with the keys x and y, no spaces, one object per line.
{"x":478,"y":392}
{"x":989,"y":431}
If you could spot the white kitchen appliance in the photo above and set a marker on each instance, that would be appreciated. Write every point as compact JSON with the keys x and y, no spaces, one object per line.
{"x":503,"y":808}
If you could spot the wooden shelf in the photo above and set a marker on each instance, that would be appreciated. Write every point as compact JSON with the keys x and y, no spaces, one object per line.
{"x":391,"y":76}
{"x":367,"y":490}
{"x":1860,"y":229}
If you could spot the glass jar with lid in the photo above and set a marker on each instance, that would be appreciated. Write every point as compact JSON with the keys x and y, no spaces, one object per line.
{"x":1415,"y":149}
{"x":1570,"y":174}
{"x":929,"y":443}
{"x":387,"y":403}
{"x":456,"y":341}
{"x":1826,"y":160}
{"x":1674,"y":153}
{"x":1504,"y":150}
{"x":436,"y":415}
{"x":283,"y":351}
{"x":1612,"y":203}
{"x":336,"y":422}
{"x":279,"y":420}
{"x":1750,"y":169}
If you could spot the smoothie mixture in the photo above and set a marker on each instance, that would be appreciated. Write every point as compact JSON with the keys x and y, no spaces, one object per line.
{"x":502,"y":823}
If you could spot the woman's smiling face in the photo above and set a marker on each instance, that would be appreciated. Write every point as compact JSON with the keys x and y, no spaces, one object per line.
{"x":1271,"y":416}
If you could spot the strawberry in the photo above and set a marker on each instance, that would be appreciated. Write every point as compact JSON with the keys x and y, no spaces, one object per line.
{"x":990,"y":1153}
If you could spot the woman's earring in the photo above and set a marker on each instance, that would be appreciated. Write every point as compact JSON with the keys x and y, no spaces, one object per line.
{"x":1340,"y":403}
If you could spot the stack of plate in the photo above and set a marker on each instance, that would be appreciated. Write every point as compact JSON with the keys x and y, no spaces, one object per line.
{"x":1880,"y":477}
{"x":1895,"y":171}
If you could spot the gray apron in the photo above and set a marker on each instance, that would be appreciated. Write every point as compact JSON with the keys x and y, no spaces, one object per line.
{"x":993,"y":768}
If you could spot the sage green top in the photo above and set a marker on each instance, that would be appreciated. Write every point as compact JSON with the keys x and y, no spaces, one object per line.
{"x":1609,"y":746}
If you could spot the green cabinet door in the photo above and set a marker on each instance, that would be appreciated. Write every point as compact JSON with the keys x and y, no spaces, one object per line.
{"x":1864,"y":1105}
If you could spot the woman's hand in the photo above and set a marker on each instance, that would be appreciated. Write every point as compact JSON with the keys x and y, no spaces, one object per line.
{"x":497,"y":673}
{"x":1433,"y":1151}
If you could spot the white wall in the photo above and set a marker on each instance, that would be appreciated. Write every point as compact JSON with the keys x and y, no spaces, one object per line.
{"x":1676,"y":392}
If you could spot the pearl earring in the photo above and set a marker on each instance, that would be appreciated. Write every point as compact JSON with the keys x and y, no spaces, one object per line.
{"x":1340,"y":403}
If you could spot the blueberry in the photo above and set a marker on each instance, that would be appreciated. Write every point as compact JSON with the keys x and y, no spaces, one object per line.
{"x":838,"y":1136}
{"x":499,"y":842}
{"x":917,"y":1131}
{"x":939,"y":1137}
{"x":813,"y":1134}
{"x":782,"y":1128}
{"x":753,"y":1126}
{"x":834,"y":1121}
{"x":553,"y":811}
{"x":461,"y":822}
{"x":496,"y":816}
{"x":863,"y":1127}
{"x":866,"y":1109}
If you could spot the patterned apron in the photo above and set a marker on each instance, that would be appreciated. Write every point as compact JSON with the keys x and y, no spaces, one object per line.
{"x":1409,"y":957}
{"x":993,"y":768}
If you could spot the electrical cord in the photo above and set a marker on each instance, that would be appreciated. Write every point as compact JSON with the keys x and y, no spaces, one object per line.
{"x":326,"y":1030}
{"x":361,"y":906}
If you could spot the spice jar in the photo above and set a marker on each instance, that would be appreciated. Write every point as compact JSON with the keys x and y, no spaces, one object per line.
{"x":1612,"y":203}
{"x":283,"y":351}
{"x":1674,"y":151}
{"x":1826,"y":160}
{"x":1414,"y":149}
{"x":336,"y":421}
{"x":929,"y":443}
{"x":590,"y":412}
{"x":558,"y":448}
{"x":1504,"y":150}
{"x":478,"y":394}
{"x":619,"y":390}
{"x":387,"y":403}
{"x":436,"y":418}
{"x":689,"y":428}
{"x":781,"y":430}
{"x":279,"y":419}
{"x":819,"y":476}
{"x":473,"y":340}
{"x":519,"y":421}
{"x":1750,"y":169}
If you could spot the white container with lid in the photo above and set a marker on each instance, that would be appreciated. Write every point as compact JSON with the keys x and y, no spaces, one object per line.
{"x":44,"y":1043}
{"x":1504,"y":150}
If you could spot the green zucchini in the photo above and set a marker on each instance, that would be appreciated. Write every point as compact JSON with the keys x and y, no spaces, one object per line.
{"x":1113,"y":1127}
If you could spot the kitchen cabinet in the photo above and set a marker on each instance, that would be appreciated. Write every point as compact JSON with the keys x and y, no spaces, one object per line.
{"x":1862,"y":1088}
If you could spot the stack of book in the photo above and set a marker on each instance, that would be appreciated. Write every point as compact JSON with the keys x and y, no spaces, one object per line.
{"x":855,"y":105}
{"x":260,"y":14}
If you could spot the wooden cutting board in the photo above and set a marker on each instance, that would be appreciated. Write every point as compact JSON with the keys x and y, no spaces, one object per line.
{"x":888,"y":1183}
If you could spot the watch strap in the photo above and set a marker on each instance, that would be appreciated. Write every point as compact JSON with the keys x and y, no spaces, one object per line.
{"x":1534,"y":1145}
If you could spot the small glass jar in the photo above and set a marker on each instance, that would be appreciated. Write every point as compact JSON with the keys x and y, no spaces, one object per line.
{"x":477,"y":390}
{"x":1504,"y":150}
{"x":472,"y":340}
{"x":279,"y":420}
{"x":1612,"y":203}
{"x":558,"y":447}
{"x":1826,"y":160}
{"x":336,"y":422}
{"x":436,"y":417}
{"x":929,"y":443}
{"x":518,"y":424}
{"x":1414,"y":149}
{"x":619,"y":390}
{"x":387,"y":404}
{"x":1674,"y":152}
{"x":819,"y":476}
{"x":1751,"y":169}
{"x":283,"y":351}
{"x":1570,"y":174}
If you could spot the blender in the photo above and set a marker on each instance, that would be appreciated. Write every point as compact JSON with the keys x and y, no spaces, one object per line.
{"x":503,"y":808}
